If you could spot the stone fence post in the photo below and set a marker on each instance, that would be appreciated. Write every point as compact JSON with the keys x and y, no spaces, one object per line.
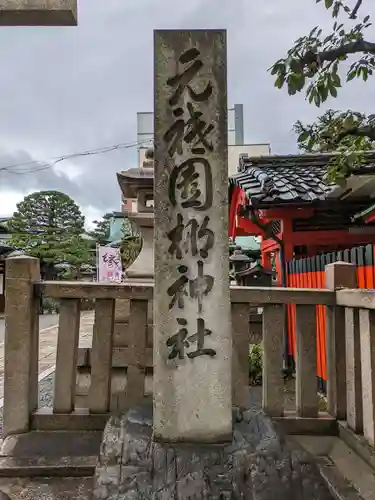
{"x":21,"y":344}
{"x":340,"y":357}
{"x":38,"y":13}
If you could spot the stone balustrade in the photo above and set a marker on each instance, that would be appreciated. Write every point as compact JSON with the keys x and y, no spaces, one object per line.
{"x":350,"y":352}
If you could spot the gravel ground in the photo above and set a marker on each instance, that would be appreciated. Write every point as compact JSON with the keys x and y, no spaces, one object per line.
{"x":46,"y":391}
{"x":45,"y":396}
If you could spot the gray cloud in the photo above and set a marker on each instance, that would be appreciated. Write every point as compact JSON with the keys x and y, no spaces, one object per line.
{"x":64,"y":90}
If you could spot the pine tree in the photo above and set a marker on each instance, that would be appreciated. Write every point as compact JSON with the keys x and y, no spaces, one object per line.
{"x":49,"y":225}
{"x":100,"y":233}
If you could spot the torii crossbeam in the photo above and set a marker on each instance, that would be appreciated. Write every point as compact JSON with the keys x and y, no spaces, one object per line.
{"x":38,"y":12}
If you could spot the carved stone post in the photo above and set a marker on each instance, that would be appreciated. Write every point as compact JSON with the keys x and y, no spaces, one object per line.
{"x":192,"y":334}
{"x":21,"y":344}
{"x":340,"y":275}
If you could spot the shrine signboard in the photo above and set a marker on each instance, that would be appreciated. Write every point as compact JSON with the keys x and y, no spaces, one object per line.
{"x":192,"y":333}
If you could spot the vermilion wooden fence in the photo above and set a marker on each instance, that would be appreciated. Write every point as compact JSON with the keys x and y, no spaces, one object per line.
{"x":309,"y":273}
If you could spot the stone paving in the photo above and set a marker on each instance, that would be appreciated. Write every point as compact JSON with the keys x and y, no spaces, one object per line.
{"x":51,"y":488}
{"x":48,"y":345}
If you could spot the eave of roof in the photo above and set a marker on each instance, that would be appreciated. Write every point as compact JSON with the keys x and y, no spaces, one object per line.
{"x":269,"y":181}
{"x":130,"y":181}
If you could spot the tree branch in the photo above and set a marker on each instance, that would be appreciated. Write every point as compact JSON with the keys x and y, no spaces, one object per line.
{"x":354,"y":12}
{"x":333,"y":54}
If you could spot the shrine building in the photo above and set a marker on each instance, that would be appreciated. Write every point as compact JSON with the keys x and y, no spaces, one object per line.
{"x":287,"y":201}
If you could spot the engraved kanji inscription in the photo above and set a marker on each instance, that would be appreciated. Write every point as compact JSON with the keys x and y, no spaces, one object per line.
{"x":178,"y":289}
{"x":179,"y":342}
{"x":201,"y":286}
{"x":183,"y":80}
{"x":190,"y":184}
{"x":198,"y":337}
{"x":195,"y":288}
{"x":194,"y":132}
{"x":197,"y":238}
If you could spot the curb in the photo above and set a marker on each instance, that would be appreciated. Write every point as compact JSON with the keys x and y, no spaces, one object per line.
{"x":49,"y":328}
{"x":12,"y":467}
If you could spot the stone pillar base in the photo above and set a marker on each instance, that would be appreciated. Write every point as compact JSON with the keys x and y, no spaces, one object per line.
{"x":257,"y":464}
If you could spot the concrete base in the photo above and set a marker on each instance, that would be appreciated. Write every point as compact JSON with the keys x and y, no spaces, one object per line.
{"x":349,"y":477}
{"x":49,"y":465}
{"x":50,"y":454}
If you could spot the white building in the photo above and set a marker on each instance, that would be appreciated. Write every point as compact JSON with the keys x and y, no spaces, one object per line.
{"x":236,"y":144}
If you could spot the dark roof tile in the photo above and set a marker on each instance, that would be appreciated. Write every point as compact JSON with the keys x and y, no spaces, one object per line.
{"x":291,"y":179}
{"x":283,"y":179}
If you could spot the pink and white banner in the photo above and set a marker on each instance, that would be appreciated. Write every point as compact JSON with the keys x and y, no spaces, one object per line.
{"x":109,"y":268}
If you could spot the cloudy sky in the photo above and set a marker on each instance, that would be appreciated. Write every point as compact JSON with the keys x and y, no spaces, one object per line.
{"x":67,"y":90}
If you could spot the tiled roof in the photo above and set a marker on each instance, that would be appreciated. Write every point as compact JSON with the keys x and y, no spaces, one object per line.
{"x":134,"y":178}
{"x":283,"y":179}
{"x":248,"y":242}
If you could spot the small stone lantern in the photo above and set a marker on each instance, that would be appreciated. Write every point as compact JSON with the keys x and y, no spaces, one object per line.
{"x":239,"y":261}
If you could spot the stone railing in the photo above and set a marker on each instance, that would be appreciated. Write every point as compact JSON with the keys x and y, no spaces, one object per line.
{"x":357,"y":308}
{"x":121,"y":353}
{"x":350,"y":352}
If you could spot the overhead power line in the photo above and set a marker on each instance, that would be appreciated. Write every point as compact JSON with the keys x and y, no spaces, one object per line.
{"x":42,"y":165}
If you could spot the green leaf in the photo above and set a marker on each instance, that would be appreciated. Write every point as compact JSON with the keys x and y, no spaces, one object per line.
{"x":323,"y":91}
{"x":295,"y":66}
{"x":299,"y":82}
{"x":279,"y":81}
{"x":292,"y":84}
{"x":351,"y":75}
{"x":336,"y":9}
{"x":336,"y":80}
{"x":317,"y":100}
{"x":348,"y":122}
{"x":328,"y":3}
{"x":304,"y":136}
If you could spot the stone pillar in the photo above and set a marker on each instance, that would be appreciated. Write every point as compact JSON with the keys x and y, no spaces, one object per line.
{"x":38,"y":13}
{"x":338,"y":275}
{"x":192,"y":334}
{"x":367,"y":346}
{"x":354,"y":403}
{"x":21,"y":344}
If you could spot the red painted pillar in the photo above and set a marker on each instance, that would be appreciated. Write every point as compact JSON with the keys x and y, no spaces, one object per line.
{"x":266,"y":260}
